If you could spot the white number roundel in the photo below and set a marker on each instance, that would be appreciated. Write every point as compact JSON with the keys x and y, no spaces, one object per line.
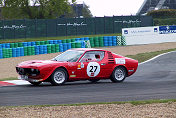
{"x":93,"y":69}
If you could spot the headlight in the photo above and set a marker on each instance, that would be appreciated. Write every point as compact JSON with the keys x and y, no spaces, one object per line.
{"x":32,"y":69}
{"x":37,"y":70}
{"x":20,"y":70}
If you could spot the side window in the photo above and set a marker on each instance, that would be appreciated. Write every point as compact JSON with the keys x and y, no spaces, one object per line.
{"x":92,"y":56}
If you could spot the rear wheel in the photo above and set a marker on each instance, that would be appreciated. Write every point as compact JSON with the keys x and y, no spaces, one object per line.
{"x":119,"y":74}
{"x":35,"y":83}
{"x":59,"y":77}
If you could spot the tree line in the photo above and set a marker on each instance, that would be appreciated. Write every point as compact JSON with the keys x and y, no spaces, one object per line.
{"x":40,"y":9}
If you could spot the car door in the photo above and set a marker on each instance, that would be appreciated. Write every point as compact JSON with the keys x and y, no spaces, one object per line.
{"x":89,"y":66}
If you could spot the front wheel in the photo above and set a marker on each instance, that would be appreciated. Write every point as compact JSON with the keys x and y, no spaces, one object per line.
{"x":59,"y":77}
{"x":118,"y":75}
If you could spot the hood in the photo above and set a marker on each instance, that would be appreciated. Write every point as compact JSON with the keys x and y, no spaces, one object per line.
{"x":37,"y":63}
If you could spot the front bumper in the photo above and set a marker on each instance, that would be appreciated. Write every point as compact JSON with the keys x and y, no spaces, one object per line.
{"x":29,"y":74}
{"x":27,"y":78}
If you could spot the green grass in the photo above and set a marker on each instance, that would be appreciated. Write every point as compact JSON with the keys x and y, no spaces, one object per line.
{"x":141,"y":57}
{"x":52,"y":38}
{"x":11,"y":78}
{"x":98,"y":103}
{"x":131,"y":102}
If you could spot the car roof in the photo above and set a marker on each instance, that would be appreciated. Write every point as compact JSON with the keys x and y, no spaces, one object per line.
{"x":87,"y":49}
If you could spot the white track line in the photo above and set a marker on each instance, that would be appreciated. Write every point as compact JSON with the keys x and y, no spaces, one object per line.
{"x":155,"y":57}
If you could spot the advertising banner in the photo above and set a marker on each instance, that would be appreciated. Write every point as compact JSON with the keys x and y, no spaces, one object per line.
{"x":149,"y":35}
{"x":167,"y":29}
{"x":140,"y":31}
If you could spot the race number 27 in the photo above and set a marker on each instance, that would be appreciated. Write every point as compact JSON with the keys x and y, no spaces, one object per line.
{"x":93,"y":69}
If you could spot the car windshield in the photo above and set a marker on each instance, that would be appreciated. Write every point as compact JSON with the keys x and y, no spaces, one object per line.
{"x":69,"y":56}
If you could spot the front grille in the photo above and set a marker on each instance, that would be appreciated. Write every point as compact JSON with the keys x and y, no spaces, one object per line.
{"x":27,"y":71}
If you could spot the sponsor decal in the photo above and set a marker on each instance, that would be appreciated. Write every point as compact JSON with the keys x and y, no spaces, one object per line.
{"x":79,"y":67}
{"x":130,"y":70}
{"x":128,"y":21}
{"x":82,"y":65}
{"x":140,"y":31}
{"x":72,"y":75}
{"x":167,"y":29}
{"x":93,"y":69}
{"x":13,"y":27}
{"x":92,"y":74}
{"x":155,"y":29}
{"x":125,"y":31}
{"x":120,"y":61}
{"x":73,"y":24}
{"x":103,"y":64}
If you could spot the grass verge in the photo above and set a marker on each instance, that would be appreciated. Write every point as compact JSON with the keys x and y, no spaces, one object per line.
{"x":130,"y":102}
{"x":52,"y":38}
{"x":11,"y":78}
{"x":98,"y":103}
{"x":141,"y":57}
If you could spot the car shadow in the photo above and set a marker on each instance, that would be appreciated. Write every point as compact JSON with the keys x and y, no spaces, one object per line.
{"x":74,"y":83}
{"x":83,"y":83}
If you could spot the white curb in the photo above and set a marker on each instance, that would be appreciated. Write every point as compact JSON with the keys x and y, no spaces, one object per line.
{"x":18,"y":82}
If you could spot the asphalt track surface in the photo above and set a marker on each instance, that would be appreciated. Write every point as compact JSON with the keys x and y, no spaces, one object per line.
{"x":155,"y":79}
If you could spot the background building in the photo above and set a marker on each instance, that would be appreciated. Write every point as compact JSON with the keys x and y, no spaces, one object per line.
{"x":78,"y":8}
{"x":149,"y":5}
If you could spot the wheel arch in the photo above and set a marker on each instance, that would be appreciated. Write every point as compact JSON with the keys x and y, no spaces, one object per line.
{"x":55,"y":70}
{"x":122,"y":66}
{"x":62,"y":68}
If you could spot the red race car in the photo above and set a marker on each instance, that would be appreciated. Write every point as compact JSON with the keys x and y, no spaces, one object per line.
{"x":78,"y":64}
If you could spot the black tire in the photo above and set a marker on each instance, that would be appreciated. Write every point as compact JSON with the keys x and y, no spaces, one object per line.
{"x":35,"y":83}
{"x":94,"y":80}
{"x":118,"y":75}
{"x":59,"y":77}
